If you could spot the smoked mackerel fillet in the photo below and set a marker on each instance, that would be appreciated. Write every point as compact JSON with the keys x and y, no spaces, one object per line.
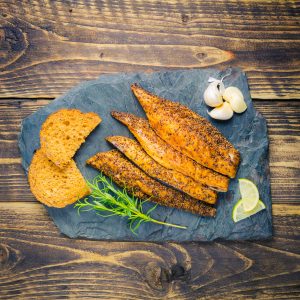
{"x":189,"y":133}
{"x":167,"y":156}
{"x":114,"y":165}
{"x":135,"y":153}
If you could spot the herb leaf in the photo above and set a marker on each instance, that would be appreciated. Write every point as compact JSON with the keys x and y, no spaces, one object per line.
{"x":108,"y":201}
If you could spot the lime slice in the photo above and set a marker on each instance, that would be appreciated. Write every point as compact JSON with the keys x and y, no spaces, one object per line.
{"x":238,"y":212}
{"x":249,"y":193}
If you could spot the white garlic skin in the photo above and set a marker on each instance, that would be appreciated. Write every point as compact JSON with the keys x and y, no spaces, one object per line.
{"x":223,"y":112}
{"x":235,"y":98}
{"x":213,"y":94}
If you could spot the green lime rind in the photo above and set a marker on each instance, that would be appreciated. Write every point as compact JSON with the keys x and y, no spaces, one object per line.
{"x":238,"y":212}
{"x":249,"y":194}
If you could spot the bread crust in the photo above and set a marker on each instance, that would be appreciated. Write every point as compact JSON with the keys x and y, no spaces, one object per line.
{"x":53,"y":186}
{"x":64,"y":131}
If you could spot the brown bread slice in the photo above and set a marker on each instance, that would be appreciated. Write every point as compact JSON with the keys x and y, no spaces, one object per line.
{"x":54,"y":186}
{"x":64,"y":131}
{"x":114,"y":165}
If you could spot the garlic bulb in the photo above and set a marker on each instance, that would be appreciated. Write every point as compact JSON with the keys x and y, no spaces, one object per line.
{"x":223,"y":112}
{"x":213,"y":93}
{"x":236,"y":99}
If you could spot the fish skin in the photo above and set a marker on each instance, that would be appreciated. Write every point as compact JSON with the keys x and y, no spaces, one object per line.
{"x":169,"y":157}
{"x":189,"y":133}
{"x":135,"y":153}
{"x":114,"y":165}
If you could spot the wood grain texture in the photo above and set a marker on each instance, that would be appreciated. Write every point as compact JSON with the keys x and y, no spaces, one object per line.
{"x":46,"y":47}
{"x":284,"y":128}
{"x":36,"y":262}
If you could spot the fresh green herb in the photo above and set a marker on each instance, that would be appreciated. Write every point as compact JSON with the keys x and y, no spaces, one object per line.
{"x":108,"y":201}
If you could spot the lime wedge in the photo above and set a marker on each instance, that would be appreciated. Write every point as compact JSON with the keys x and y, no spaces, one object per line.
{"x":238,"y":212}
{"x":249,"y":193}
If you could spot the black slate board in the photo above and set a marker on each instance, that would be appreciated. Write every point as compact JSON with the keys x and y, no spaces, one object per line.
{"x":247,"y":132}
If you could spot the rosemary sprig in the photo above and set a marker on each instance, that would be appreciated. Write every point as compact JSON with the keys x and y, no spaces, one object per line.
{"x":108,"y":201}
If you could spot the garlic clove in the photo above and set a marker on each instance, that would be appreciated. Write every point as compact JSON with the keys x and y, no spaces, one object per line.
{"x":238,"y":105}
{"x":236,"y":99}
{"x":223,"y":112}
{"x":213,"y":94}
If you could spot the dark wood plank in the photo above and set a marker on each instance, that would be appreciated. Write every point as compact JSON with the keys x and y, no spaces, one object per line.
{"x":118,"y":270}
{"x":48,"y":47}
{"x":284,"y":131}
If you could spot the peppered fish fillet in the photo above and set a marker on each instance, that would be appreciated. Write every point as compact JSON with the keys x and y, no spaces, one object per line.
{"x":134,"y":152}
{"x":114,"y":164}
{"x":189,"y":133}
{"x":167,"y":156}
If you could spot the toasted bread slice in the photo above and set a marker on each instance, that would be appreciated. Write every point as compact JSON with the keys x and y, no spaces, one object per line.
{"x":64,"y":131}
{"x":54,"y":186}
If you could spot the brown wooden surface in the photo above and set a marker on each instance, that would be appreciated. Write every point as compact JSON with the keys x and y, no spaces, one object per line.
{"x":48,"y":46}
{"x":37,"y":262}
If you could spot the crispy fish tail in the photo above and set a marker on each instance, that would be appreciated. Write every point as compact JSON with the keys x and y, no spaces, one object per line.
{"x":113,"y":164}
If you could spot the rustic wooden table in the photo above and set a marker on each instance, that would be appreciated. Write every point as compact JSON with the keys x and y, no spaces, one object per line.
{"x":46,"y":47}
